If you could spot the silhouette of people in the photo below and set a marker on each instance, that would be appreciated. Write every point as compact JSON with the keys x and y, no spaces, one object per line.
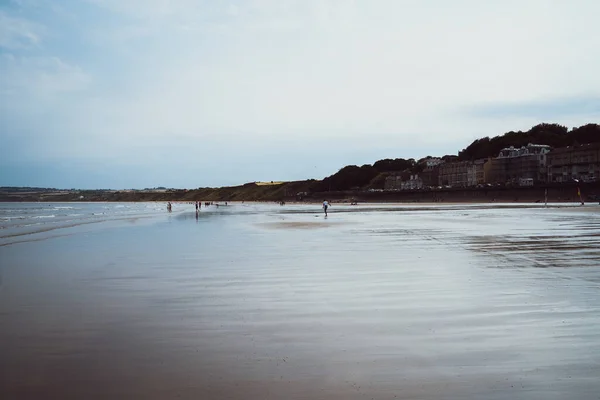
{"x":325,"y":206}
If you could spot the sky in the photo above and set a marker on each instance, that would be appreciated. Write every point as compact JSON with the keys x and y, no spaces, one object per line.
{"x":194,"y":93}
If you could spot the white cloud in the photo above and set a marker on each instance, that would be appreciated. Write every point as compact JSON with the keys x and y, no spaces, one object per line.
{"x":328,"y":65}
{"x":16,"y":33}
{"x":233,"y":10}
{"x":39,"y":77}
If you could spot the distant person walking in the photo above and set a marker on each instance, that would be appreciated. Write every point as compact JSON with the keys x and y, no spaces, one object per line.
{"x":196,"y":206}
{"x":325,"y":206}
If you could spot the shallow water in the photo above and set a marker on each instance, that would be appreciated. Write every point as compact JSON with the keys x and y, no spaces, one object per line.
{"x":266,"y":302}
{"x":24,"y":222}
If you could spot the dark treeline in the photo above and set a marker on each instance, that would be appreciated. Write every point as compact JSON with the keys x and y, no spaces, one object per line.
{"x":349,"y":177}
{"x":355,"y":177}
{"x":553,"y":135}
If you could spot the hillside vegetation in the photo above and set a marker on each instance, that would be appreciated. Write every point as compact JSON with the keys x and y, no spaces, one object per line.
{"x":553,"y":135}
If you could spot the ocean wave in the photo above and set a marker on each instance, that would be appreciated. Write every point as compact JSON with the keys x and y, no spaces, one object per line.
{"x":43,"y":227}
{"x":32,"y":224}
{"x":44,"y":216}
{"x":11,"y":218}
{"x":12,"y":210}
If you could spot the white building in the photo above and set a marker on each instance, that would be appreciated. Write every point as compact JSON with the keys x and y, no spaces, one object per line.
{"x":415,"y":182}
{"x":433,"y":162}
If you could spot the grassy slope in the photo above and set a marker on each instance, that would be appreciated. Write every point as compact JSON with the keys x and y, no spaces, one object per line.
{"x":248,"y":192}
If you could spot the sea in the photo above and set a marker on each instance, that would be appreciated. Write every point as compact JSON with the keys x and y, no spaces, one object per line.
{"x":263,"y":301}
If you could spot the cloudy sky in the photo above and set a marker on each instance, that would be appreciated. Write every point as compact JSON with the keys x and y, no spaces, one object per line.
{"x":190,"y":93}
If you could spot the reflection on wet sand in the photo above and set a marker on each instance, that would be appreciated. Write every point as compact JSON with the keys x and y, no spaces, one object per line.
{"x":372,"y":305}
{"x":299,"y":224}
{"x":568,"y":242}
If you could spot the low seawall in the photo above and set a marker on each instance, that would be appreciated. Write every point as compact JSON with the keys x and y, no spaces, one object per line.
{"x":565,"y":193}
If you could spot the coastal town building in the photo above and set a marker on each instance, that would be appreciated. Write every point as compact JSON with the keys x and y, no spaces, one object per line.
{"x":431,"y":171}
{"x":575,"y":162}
{"x":479,"y":171}
{"x":432,"y":162}
{"x":472,"y":171}
{"x":403,"y":181}
{"x":395,"y":179}
{"x":454,"y":174}
{"x":413,"y":183}
{"x":523,"y":166}
{"x":430,"y":176}
{"x":513,"y":163}
{"x":464,"y":173}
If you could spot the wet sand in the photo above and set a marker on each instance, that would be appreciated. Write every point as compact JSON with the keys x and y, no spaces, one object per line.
{"x":451,"y":303}
{"x":318,"y":222}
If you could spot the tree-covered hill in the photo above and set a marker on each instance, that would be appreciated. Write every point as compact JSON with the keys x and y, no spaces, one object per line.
{"x":553,"y":135}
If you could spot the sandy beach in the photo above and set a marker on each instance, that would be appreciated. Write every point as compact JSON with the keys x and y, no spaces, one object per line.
{"x":261,"y":301}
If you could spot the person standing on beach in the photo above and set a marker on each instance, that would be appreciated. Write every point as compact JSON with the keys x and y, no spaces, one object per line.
{"x":325,"y":206}
{"x":196,"y":206}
